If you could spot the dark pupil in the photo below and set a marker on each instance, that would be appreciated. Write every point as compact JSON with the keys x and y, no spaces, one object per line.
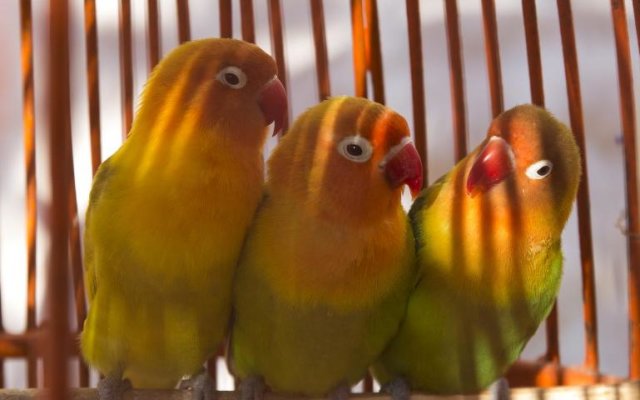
{"x":231,"y":79}
{"x":354,"y":150}
{"x":544,"y":170}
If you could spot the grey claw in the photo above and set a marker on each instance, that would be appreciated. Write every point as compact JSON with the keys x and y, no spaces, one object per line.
{"x":499,"y":390}
{"x":252,"y":388}
{"x":201,"y":386}
{"x":341,"y":392}
{"x":398,"y":389}
{"x":112,"y":388}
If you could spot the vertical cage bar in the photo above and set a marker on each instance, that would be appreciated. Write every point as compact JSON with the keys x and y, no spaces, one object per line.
{"x":126,"y":66}
{"x":534,"y":59}
{"x":58,"y":340}
{"x":28,"y":110}
{"x":359,"y":51}
{"x":226,"y":21}
{"x":456,"y":77}
{"x":154,"y":33}
{"x":277,"y":43}
{"x":91,"y":39}
{"x":247,"y":22}
{"x":584,"y":219}
{"x":493,"y":55}
{"x":417,"y":83}
{"x":374,"y":51}
{"x":184,"y":24}
{"x":320,"y":42}
{"x":628,"y":117}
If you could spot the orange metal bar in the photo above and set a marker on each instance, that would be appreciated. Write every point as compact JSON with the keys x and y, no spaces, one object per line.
{"x":184,"y":25}
{"x":359,"y":51}
{"x":537,"y":97}
{"x":374,"y":51}
{"x":320,"y":41}
{"x":154,"y":34}
{"x":56,"y":355}
{"x":226,"y":21}
{"x":584,"y":219}
{"x":277,"y":42}
{"x":91,"y":35}
{"x":548,"y":374}
{"x":417,"y":83}
{"x":126,"y":66}
{"x":627,"y":109}
{"x":246,"y":20}
{"x":456,"y":77}
{"x":493,"y":55}
{"x":28,"y":110}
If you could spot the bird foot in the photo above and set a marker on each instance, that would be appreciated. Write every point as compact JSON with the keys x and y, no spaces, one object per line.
{"x":252,"y":388}
{"x":112,"y":388}
{"x":398,"y":389}
{"x":341,"y":392}
{"x":201,"y":386}
{"x":499,"y":390}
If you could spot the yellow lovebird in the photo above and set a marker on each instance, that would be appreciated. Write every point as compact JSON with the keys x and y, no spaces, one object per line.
{"x":329,"y":261}
{"x":489,"y":257}
{"x":168,"y":214}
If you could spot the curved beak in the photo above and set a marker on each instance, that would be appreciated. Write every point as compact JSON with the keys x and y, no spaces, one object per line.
{"x":492,"y":165}
{"x":273,"y":103}
{"x":402,"y":165}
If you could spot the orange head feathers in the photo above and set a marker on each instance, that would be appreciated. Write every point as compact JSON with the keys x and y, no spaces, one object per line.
{"x":347,"y":159}
{"x":212,"y":81}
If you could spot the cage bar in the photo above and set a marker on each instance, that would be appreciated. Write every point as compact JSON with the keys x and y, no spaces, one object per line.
{"x":584,"y":219}
{"x":417,"y":84}
{"x":320,"y":42}
{"x":28,"y":118}
{"x":184,"y":25}
{"x":628,"y":118}
{"x":247,"y":21}
{"x":359,"y":51}
{"x":373,"y":50}
{"x":493,"y":56}
{"x":226,"y":21}
{"x":56,"y":355}
{"x":126,"y":66}
{"x":153,"y":33}
{"x":532,"y":39}
{"x":277,"y":43}
{"x":456,"y":76}
{"x":93,"y":78}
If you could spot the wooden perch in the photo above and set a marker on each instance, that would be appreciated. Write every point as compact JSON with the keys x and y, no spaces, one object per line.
{"x":621,"y":391}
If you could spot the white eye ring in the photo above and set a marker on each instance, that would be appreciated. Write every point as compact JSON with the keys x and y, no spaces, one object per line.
{"x":539,"y":169}
{"x":355,"y":148}
{"x":233,"y":77}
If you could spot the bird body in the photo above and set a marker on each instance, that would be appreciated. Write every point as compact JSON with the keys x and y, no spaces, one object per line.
{"x":325,"y":273}
{"x":169,"y":211}
{"x":489,"y":256}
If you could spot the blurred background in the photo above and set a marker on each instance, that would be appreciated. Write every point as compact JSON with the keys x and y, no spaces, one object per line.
{"x":598,"y":79}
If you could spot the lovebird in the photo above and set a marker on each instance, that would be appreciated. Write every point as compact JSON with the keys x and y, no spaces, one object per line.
{"x":489,"y":257}
{"x":326,"y":271}
{"x":169,"y":211}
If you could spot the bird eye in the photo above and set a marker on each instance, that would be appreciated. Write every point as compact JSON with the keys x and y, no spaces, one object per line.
{"x":539,"y":169}
{"x":355,"y":148}
{"x":233,"y":77}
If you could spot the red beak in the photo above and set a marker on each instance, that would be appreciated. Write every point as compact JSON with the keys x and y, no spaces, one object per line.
{"x":402,"y":165}
{"x":273,"y":103}
{"x":494,"y":164}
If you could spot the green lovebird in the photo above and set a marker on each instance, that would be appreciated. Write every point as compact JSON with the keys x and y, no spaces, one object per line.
{"x":489,"y":257}
{"x":329,"y":263}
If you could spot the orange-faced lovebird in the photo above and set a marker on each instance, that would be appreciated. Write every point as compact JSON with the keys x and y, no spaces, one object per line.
{"x":489,"y":257}
{"x":168,"y":214}
{"x":325,"y":274}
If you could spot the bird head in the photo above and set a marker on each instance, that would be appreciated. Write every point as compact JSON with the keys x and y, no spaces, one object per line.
{"x":532,"y":156}
{"x":347,"y":158}
{"x":225,"y":86}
